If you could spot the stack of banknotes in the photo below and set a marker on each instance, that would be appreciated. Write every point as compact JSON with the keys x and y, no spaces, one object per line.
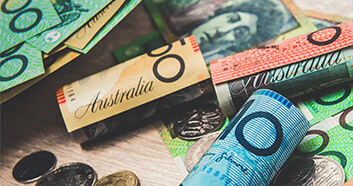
{"x":242,"y":92}
{"x":320,"y":87}
{"x":40,"y":36}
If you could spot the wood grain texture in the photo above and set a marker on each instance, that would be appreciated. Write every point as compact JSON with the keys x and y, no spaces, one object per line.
{"x":32,"y":120}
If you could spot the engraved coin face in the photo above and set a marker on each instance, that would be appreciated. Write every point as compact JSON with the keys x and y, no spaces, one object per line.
{"x":198,"y":121}
{"x":314,"y":170}
{"x":32,"y":167}
{"x":196,"y":150}
{"x":121,"y":178}
{"x":69,"y":174}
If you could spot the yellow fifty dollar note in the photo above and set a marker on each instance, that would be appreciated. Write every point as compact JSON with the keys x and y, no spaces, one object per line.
{"x":131,"y":84}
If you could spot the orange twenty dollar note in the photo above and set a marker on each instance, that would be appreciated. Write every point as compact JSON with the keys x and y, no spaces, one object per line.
{"x":282,"y":53}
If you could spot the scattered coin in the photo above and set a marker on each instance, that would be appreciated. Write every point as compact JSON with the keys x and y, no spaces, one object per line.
{"x":196,"y":150}
{"x":72,"y":174}
{"x":121,"y":178}
{"x":314,"y":170}
{"x":198,"y":121}
{"x":32,"y":167}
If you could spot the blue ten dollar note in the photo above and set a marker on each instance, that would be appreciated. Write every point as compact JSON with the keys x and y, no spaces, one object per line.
{"x":255,"y":144}
{"x":23,"y":19}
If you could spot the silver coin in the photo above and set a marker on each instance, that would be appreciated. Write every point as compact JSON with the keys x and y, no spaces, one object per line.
{"x":71,"y":174}
{"x":196,"y":150}
{"x":198,"y":121}
{"x":314,"y":170}
{"x":32,"y":167}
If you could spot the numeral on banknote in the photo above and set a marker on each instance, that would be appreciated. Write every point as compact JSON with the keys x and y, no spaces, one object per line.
{"x":10,"y":57}
{"x":343,"y":121}
{"x":19,"y":12}
{"x":239,"y":134}
{"x":326,"y":140}
{"x":347,"y":92}
{"x":239,"y":131}
{"x":162,"y":58}
{"x":322,"y":43}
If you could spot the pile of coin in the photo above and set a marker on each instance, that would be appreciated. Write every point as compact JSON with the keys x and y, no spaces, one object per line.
{"x":40,"y":166}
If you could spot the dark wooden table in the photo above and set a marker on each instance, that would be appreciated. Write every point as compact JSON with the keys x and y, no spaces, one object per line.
{"x":32,"y":120}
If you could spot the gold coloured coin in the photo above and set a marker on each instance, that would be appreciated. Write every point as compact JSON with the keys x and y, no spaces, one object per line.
{"x":120,"y":178}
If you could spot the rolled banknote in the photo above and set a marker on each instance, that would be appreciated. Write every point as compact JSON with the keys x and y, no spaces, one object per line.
{"x":147,"y":112}
{"x":143,"y":82}
{"x":292,"y":67}
{"x":254,"y":145}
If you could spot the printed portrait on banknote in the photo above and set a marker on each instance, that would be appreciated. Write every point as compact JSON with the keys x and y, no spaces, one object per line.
{"x":225,"y":27}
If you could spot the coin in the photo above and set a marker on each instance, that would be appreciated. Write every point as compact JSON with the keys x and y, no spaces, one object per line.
{"x":198,"y":121}
{"x":121,"y":178}
{"x":32,"y":167}
{"x":69,"y":174}
{"x":314,"y":170}
{"x":196,"y":150}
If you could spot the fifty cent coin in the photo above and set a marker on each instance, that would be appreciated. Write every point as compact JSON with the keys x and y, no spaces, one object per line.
{"x":121,"y":178}
{"x":198,"y":121}
{"x":32,"y":167}
{"x":314,"y":170}
{"x":196,"y":150}
{"x":71,"y":174}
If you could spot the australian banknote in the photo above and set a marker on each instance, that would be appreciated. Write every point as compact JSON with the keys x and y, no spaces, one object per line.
{"x":226,"y":27}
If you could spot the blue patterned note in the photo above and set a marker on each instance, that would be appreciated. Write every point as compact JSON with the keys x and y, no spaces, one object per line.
{"x":255,"y":144}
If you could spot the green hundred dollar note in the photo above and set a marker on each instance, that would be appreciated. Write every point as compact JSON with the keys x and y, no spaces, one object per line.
{"x":332,"y":137}
{"x":143,"y":45}
{"x":74,"y":14}
{"x":19,"y":64}
{"x":23,"y":19}
{"x":128,"y":6}
{"x":324,"y":104}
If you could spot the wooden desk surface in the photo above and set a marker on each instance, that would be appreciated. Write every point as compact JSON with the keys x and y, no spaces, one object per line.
{"x":32,"y":120}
